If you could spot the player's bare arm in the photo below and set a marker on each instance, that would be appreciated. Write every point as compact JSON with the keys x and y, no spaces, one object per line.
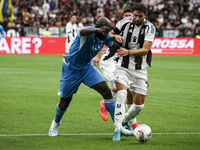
{"x":116,"y":37}
{"x":87,"y":31}
{"x":138,"y":52}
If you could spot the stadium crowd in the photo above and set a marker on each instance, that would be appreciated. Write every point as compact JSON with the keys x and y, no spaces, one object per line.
{"x":182,"y":15}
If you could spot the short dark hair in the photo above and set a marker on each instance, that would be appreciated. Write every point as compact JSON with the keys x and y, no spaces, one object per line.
{"x":127,"y":10}
{"x":140,"y":7}
{"x":102,"y":21}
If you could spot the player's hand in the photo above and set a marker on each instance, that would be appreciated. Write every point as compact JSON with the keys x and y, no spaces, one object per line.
{"x":119,"y":38}
{"x":104,"y":30}
{"x":122,"y":51}
{"x":95,"y":60}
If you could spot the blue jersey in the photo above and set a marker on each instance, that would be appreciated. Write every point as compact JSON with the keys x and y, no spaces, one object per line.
{"x":2,"y":32}
{"x":84,"y":48}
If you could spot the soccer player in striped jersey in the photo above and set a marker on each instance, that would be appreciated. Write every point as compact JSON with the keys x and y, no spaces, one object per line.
{"x":107,"y":66}
{"x":135,"y":56}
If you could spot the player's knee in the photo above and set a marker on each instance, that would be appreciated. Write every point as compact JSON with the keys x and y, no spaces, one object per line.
{"x":64,"y":103}
{"x":121,"y":96}
{"x":106,"y":93}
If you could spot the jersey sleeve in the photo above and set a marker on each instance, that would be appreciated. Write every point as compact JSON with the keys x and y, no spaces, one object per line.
{"x":108,"y":41}
{"x":150,"y":33}
{"x":121,"y":24}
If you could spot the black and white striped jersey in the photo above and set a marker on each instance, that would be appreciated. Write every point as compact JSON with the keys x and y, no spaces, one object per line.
{"x":134,"y":37}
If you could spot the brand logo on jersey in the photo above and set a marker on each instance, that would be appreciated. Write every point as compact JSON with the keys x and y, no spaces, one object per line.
{"x":98,"y":45}
{"x":132,"y":25}
{"x":142,"y":31}
{"x":152,"y":29}
{"x":134,"y":39}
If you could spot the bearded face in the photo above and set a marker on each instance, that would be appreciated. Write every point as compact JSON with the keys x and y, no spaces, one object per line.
{"x":138,"y":17}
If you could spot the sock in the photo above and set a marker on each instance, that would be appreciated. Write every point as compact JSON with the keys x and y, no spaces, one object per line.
{"x":133,"y":112}
{"x":128,"y":106}
{"x":133,"y":120}
{"x":58,"y":115}
{"x":120,"y":108}
{"x":110,"y":107}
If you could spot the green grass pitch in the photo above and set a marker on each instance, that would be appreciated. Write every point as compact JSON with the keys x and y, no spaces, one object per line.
{"x":28,"y":96}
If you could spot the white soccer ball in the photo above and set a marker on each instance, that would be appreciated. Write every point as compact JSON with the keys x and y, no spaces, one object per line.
{"x":142,"y":133}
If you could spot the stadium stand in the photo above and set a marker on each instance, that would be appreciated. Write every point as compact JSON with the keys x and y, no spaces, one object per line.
{"x":178,"y":18}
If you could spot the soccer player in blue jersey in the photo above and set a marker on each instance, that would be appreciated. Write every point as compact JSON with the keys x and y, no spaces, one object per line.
{"x":2,"y":32}
{"x":77,"y":68}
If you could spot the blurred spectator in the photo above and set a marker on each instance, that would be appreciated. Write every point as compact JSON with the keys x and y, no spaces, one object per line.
{"x":46,"y":32}
{"x":107,"y":11}
{"x":126,"y":5}
{"x":184,"y":18}
{"x":52,"y":5}
{"x":100,"y":11}
{"x":71,"y":32}
{"x":172,"y":16}
{"x":81,"y":24}
{"x":46,"y":8}
{"x":183,"y":15}
{"x":35,"y":7}
{"x":25,"y":15}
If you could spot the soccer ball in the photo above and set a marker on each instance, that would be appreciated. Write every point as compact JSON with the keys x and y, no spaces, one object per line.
{"x":142,"y":133}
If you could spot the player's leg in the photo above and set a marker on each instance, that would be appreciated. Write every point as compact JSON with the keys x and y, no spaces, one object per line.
{"x":129,"y":102}
{"x":96,"y":81}
{"x":119,"y":105}
{"x":136,"y":108}
{"x":103,"y":111}
{"x":69,"y":84}
{"x":61,"y":107}
{"x":107,"y":68}
{"x":120,"y":110}
{"x":109,"y":101}
{"x":121,"y":78}
{"x":139,"y":88}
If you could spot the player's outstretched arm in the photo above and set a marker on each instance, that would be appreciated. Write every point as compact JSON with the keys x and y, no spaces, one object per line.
{"x":88,"y":31}
{"x":116,"y":37}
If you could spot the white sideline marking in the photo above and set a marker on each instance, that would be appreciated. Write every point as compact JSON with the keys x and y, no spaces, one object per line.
{"x":188,"y":133}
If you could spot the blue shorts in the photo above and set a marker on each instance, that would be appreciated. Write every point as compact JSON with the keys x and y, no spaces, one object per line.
{"x":71,"y":79}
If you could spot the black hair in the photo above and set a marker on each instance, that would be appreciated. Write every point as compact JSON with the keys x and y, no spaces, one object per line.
{"x":140,"y":7}
{"x":103,"y":21}
{"x":127,"y":10}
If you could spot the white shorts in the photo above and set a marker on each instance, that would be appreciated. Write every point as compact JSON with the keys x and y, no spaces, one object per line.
{"x":107,"y":67}
{"x":134,"y":80}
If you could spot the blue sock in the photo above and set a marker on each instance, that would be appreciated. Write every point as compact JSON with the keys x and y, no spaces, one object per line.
{"x":110,"y":107}
{"x":59,"y":114}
